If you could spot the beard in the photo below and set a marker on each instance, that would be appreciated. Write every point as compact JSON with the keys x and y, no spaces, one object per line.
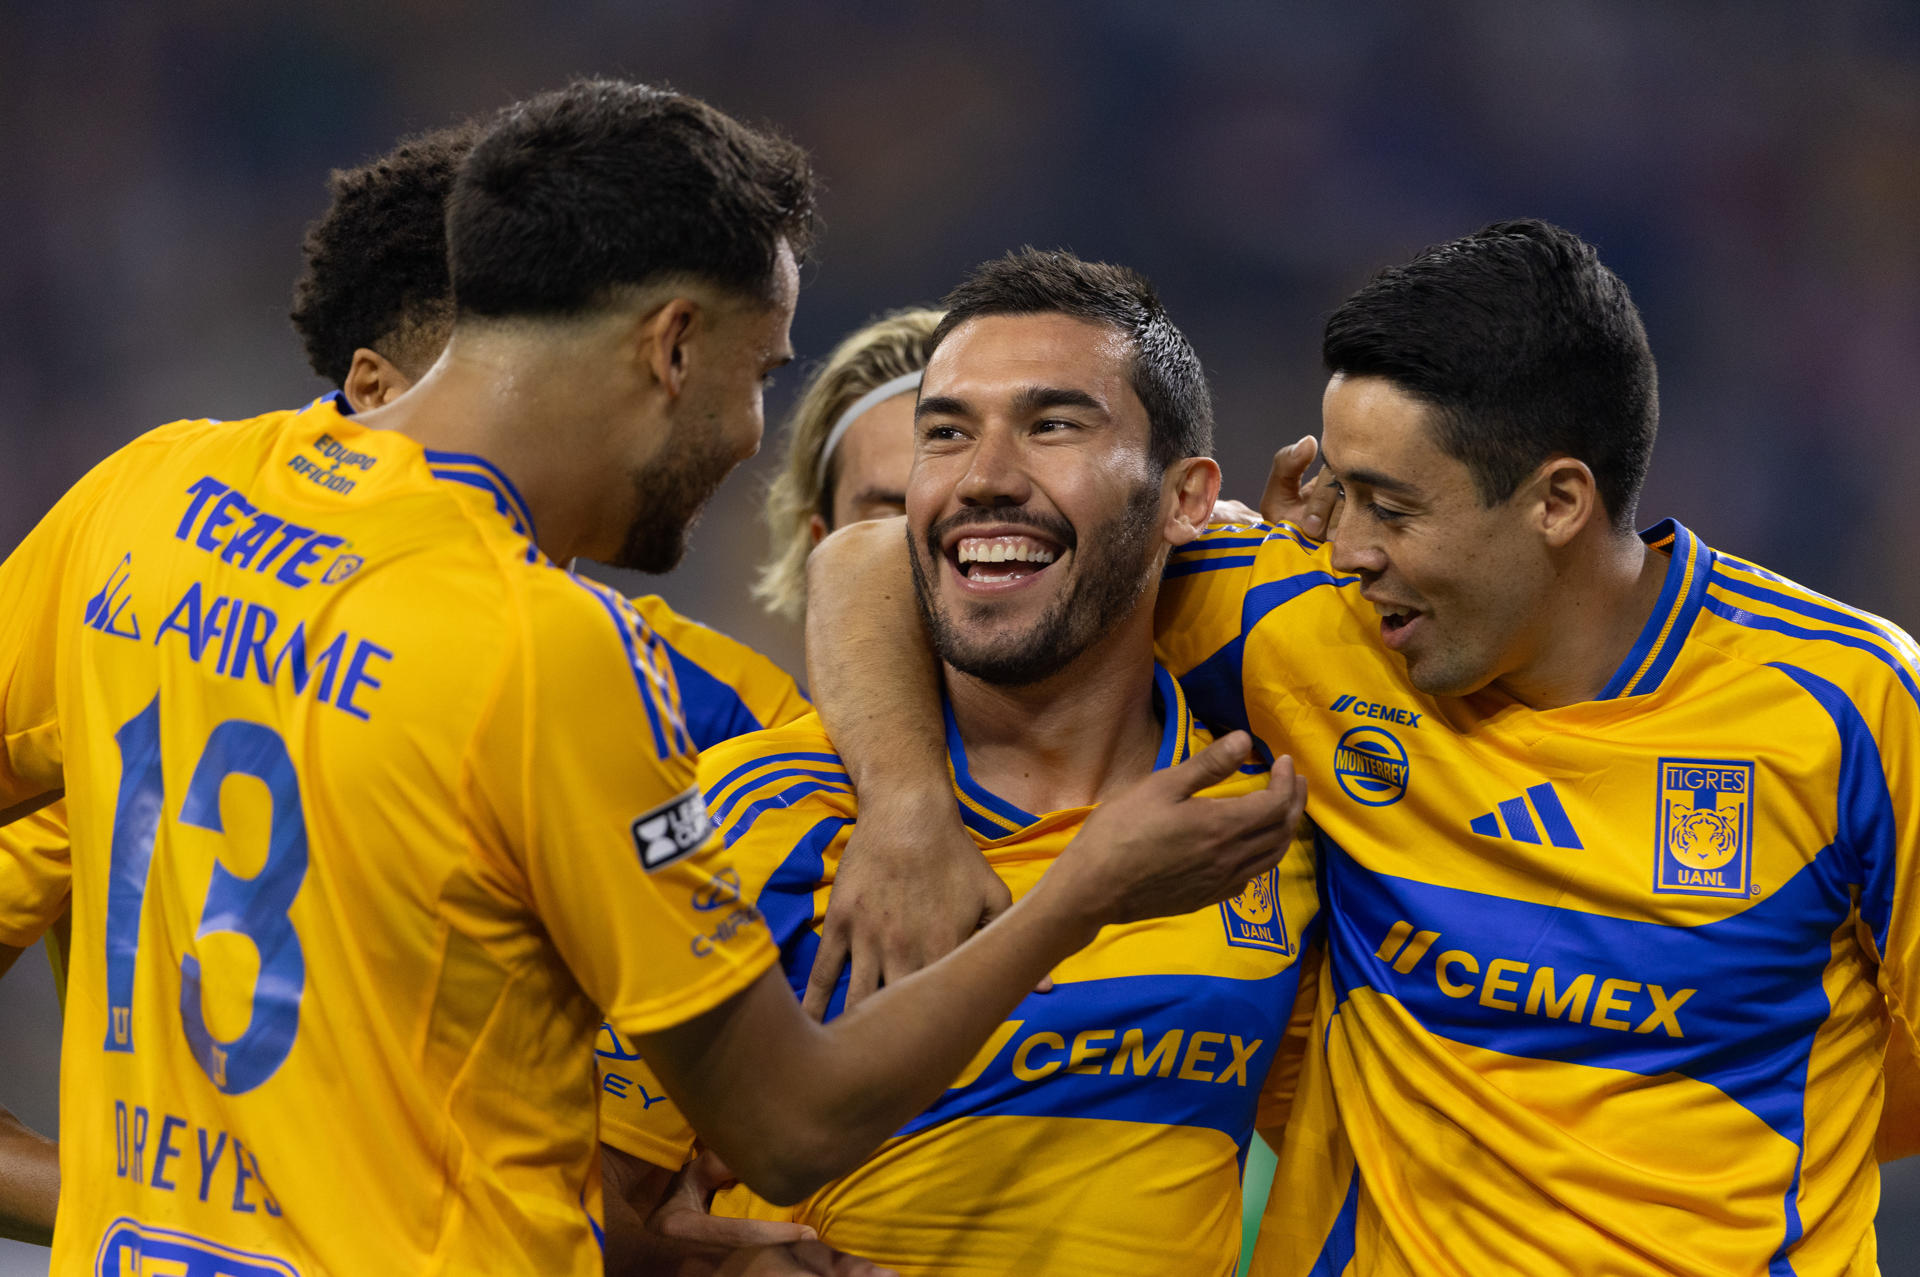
{"x":1113,"y":566}
{"x":669,"y":493}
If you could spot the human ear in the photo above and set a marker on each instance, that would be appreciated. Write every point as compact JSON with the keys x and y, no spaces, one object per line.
{"x":1565,"y":498}
{"x":373,"y":381}
{"x":817,"y":529}
{"x":1195,"y":485}
{"x":666,"y":342}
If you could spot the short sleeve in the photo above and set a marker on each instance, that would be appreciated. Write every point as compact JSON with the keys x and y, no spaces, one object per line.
{"x":1880,"y":814}
{"x":32,"y":582}
{"x":1214,"y":591}
{"x":636,"y":1116}
{"x":36,"y":874}
{"x":602,"y":817}
{"x":721,"y":687}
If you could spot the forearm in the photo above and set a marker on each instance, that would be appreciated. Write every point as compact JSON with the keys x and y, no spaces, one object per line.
{"x":29,"y":1182}
{"x":870,"y":668}
{"x":791,"y":1104}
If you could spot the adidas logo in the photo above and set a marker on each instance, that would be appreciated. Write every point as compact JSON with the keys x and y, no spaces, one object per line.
{"x":1519,"y":820}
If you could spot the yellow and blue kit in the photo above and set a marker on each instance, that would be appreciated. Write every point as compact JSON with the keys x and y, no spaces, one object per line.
{"x":373,"y":811}
{"x":1102,"y":1129}
{"x":1610,"y":987}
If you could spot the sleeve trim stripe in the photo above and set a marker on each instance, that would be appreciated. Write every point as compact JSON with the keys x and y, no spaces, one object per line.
{"x":1753,"y":621}
{"x":1818,"y":607}
{"x":785,"y":798}
{"x":717,"y":790}
{"x":722,"y":810}
{"x":645,"y":678}
{"x":1188,"y":567}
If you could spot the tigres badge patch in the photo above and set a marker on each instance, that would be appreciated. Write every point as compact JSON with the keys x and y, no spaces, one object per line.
{"x":1704,"y":835}
{"x":1253,"y":917}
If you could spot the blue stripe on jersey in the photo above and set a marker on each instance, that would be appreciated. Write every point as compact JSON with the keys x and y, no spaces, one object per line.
{"x":713,"y":710}
{"x":503,"y":486}
{"x":785,"y":798}
{"x":1665,"y":633}
{"x":1187,"y":567}
{"x":1812,"y":610}
{"x":1753,"y":621}
{"x":1199,"y":545}
{"x":768,"y":760}
{"x":1263,"y":599}
{"x":1868,"y":830}
{"x":786,"y":902}
{"x":721,"y":813}
{"x":1217,"y":689}
{"x":986,"y":826}
{"x":957,"y":755}
{"x":1886,"y":629}
{"x":1174,"y":721}
{"x":634,"y":663}
{"x":1748,"y":1028}
{"x":1337,"y":1253}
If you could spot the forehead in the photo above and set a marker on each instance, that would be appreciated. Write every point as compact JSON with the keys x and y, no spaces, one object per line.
{"x":1369,"y":423}
{"x":997,"y":355}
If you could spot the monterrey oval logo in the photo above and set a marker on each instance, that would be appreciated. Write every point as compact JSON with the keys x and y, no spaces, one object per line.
{"x":1371,"y":766}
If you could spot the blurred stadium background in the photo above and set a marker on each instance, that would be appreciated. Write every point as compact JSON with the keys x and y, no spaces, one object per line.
{"x":1751,"y":169}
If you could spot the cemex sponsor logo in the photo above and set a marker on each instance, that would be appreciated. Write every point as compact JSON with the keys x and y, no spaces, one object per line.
{"x":1374,"y":709}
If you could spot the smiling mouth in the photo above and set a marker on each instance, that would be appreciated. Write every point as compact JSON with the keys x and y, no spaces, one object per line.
{"x":1001,"y":560}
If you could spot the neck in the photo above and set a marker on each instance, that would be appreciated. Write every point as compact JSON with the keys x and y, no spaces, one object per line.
{"x":1604,"y":599}
{"x":520,"y":402}
{"x":1073,"y":738}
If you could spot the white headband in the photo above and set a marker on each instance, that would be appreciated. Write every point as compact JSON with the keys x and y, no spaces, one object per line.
{"x":879,"y":394}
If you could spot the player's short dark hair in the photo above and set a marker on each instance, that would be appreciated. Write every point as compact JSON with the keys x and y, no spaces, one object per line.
{"x":376,"y":272}
{"x":1166,"y":373}
{"x":604,"y":186}
{"x":1525,"y":346}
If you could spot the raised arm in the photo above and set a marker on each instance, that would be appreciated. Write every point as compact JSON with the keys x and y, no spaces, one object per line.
{"x":790,"y":1104}
{"x":912,"y":884}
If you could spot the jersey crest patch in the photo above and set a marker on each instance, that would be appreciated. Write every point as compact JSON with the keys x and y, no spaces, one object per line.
{"x":1253,"y":917}
{"x":1704,"y":831}
{"x":673,"y":829}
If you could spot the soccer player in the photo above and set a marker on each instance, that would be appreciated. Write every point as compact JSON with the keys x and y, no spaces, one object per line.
{"x":374,"y":308}
{"x":849,"y":446}
{"x":1620,"y":834}
{"x":374,"y":809}
{"x":1101,"y":1129}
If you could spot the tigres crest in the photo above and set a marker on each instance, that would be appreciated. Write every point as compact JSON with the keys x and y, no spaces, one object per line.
{"x":1704,"y":833}
{"x":1253,"y":918}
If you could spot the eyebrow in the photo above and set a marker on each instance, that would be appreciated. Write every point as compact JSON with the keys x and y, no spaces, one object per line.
{"x":1374,"y":479}
{"x":879,"y":496}
{"x":1029,"y":400}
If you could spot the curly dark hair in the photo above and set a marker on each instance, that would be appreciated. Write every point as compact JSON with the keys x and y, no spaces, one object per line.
{"x":376,"y":272}
{"x":607,"y":185}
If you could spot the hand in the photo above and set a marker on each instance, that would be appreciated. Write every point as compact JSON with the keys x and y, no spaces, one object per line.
{"x":1157,"y":850}
{"x":1308,"y":506}
{"x":683,"y":1214}
{"x":799,"y":1257}
{"x":908,"y":890}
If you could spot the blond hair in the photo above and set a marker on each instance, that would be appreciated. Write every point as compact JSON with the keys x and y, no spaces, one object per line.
{"x":892,"y":346}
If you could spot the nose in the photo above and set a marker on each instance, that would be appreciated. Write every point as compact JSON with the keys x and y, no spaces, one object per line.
{"x":996,"y":471}
{"x":1354,"y":548}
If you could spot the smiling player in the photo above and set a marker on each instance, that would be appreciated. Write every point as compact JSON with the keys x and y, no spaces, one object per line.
{"x":1620,"y":834}
{"x":1101,"y":1129}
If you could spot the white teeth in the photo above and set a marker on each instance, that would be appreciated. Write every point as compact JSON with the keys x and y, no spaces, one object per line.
{"x":1001,"y":549}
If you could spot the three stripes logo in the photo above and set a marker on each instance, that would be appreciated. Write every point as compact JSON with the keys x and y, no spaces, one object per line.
{"x":1524,"y":823}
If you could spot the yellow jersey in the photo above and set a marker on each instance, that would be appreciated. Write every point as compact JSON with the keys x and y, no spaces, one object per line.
{"x":373,"y":811}
{"x":1610,"y":987}
{"x":1103,"y":1128}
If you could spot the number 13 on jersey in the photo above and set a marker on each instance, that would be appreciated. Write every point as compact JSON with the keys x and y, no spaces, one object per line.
{"x":254,"y":907}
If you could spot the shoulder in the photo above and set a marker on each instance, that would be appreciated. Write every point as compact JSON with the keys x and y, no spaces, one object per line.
{"x":1832,"y":650}
{"x":727,"y":687}
{"x":793,"y":770}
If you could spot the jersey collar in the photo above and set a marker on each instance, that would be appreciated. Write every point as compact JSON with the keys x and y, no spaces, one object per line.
{"x":991,"y":816}
{"x":478,"y":472}
{"x":1665,"y":633}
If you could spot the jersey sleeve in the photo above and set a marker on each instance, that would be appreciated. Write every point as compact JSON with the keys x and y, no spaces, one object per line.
{"x":605,"y":826}
{"x":635,"y":1114}
{"x":33,"y":581}
{"x":36,"y":876}
{"x":780,"y":801}
{"x":1880,"y":815}
{"x":722,"y":687}
{"x":1214,"y":591}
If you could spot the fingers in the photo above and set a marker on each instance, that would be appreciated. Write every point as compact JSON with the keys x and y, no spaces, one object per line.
{"x":1281,"y":500}
{"x":825,"y":976}
{"x":1227,"y":511}
{"x":723,"y":1230}
{"x":1210,"y":766}
{"x":868,"y":971}
{"x":1316,"y":516}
